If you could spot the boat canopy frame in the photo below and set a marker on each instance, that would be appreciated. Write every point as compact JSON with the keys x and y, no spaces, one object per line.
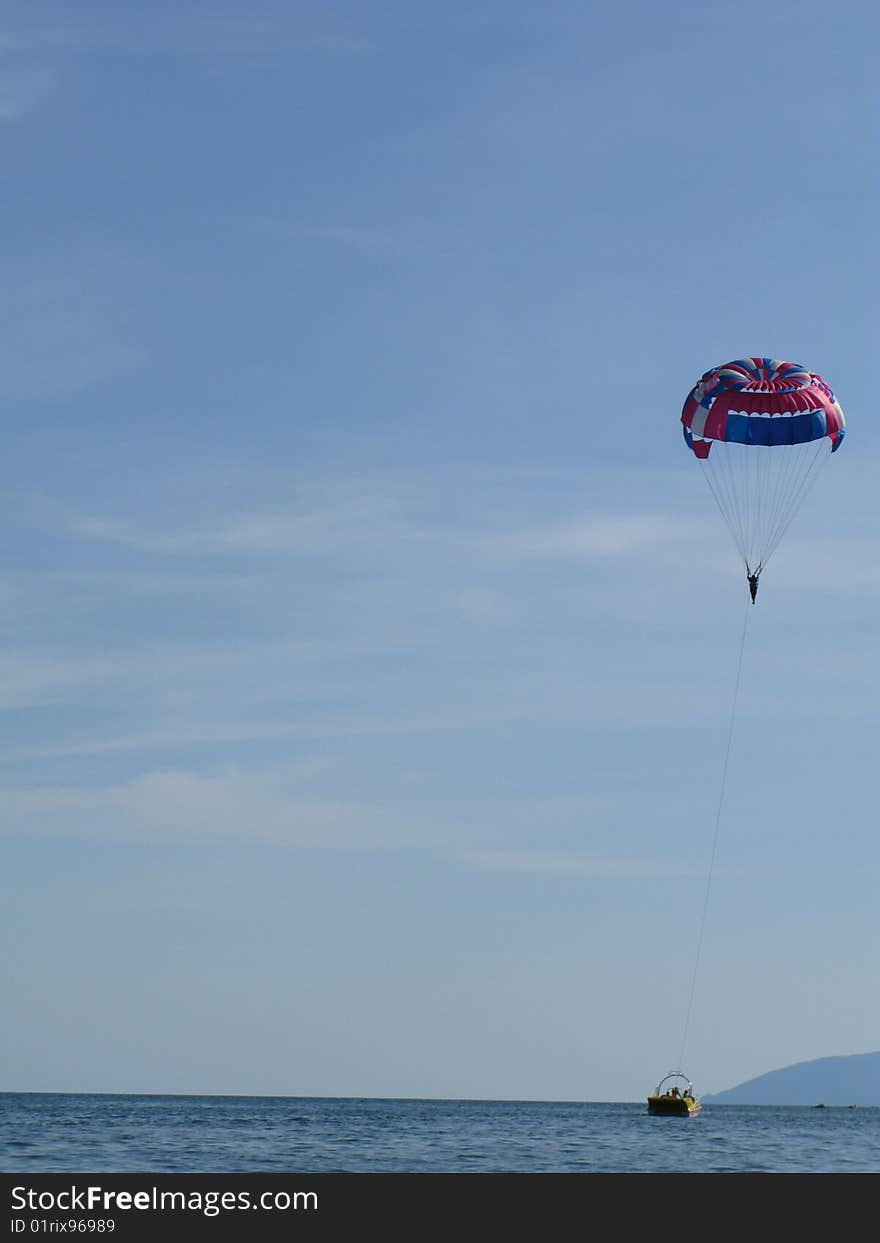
{"x":675,"y":1074}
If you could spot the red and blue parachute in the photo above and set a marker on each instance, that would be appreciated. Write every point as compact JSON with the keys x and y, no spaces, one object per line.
{"x":761,"y":429}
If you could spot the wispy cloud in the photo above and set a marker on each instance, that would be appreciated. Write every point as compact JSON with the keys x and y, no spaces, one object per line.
{"x":62,"y":333}
{"x":205,"y":735}
{"x":392,"y":518}
{"x":61,"y":36}
{"x":232,"y":34}
{"x":27,"y":679}
{"x":23,"y":90}
{"x":252,"y":35}
{"x":598,"y":536}
{"x":575,"y":865}
{"x":32,"y":52}
{"x":264,"y":808}
{"x":346,"y":525}
{"x":354,"y":239}
{"x":848,"y":564}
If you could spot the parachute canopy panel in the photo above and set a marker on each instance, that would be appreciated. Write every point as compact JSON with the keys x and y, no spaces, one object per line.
{"x":761,"y":401}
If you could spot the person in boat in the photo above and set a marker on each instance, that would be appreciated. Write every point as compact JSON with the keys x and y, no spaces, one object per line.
{"x":675,"y":1091}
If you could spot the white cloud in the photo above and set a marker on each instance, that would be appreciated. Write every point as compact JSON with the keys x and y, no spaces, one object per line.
{"x":266,"y":809}
{"x":843,"y":564}
{"x":252,"y":35}
{"x":396,"y":514}
{"x":575,"y":865}
{"x":230,"y":35}
{"x":619,"y":535}
{"x":355,"y":239}
{"x":23,"y":90}
{"x":313,"y":529}
{"x":59,"y":36}
{"x":62,"y":333}
{"x":27,"y":679}
{"x":193,"y":736}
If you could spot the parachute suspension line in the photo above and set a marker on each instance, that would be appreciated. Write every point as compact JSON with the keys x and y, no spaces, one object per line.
{"x":803,"y":486}
{"x":753,"y":499}
{"x":725,"y":496}
{"x":712,"y":853}
{"x":763,"y":467}
{"x":784,"y":494}
{"x":759,"y":490}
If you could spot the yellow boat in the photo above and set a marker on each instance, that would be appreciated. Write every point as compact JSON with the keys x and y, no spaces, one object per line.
{"x":671,"y":1101}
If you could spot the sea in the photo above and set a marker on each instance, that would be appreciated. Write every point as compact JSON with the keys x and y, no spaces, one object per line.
{"x":47,"y":1133}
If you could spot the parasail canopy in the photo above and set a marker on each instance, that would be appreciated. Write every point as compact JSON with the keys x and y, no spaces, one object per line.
{"x":761,"y":429}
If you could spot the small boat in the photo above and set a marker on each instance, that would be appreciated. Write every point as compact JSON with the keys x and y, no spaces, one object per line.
{"x":672,"y":1101}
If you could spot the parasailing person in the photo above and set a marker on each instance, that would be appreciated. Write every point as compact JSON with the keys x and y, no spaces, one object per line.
{"x":761,"y":429}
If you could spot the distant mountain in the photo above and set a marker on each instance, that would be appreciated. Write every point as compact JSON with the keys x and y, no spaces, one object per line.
{"x":852,"y":1080}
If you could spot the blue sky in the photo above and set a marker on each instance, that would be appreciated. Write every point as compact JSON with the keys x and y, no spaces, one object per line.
{"x":368,"y":634}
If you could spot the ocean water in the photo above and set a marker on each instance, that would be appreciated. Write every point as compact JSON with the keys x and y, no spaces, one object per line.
{"x":236,"y":1134}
